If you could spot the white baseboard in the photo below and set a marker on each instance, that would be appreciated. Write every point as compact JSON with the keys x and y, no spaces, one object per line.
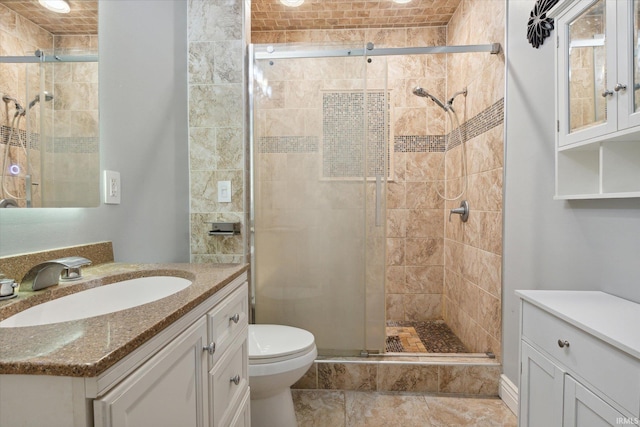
{"x":509,"y":393}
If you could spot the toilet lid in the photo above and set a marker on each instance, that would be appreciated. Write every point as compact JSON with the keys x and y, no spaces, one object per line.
{"x":273,"y":341}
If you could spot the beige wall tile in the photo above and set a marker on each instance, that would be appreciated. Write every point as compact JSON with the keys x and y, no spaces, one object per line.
{"x":424,"y":280}
{"x":347,"y":376}
{"x":424,"y":251}
{"x":479,"y":380}
{"x":419,"y":307}
{"x":404,"y":377}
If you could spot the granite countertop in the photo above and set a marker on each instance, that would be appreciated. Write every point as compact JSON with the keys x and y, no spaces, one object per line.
{"x":87,"y":347}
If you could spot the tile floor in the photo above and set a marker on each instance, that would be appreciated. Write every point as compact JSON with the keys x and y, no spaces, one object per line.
{"x":430,"y":336}
{"x":326,"y":408}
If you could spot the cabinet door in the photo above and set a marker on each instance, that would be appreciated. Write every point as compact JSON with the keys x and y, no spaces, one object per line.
{"x":167,"y":390}
{"x":541,"y":388}
{"x":584,"y":409}
{"x":628,"y":17}
{"x":587,"y":71}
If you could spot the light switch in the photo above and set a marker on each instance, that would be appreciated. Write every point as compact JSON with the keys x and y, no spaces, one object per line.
{"x":224,"y":191}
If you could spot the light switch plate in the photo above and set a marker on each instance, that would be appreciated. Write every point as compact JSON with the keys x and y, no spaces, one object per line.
{"x":224,"y":191}
{"x":112,"y":189}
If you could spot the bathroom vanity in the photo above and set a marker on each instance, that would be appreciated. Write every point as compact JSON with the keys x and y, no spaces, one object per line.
{"x":178,"y":361}
{"x":579,"y":359}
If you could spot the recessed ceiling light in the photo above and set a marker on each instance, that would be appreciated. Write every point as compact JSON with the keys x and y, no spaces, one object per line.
{"x":58,"y":6}
{"x":402,"y":1}
{"x":292,"y":3}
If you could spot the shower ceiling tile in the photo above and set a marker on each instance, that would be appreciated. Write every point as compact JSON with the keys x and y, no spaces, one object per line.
{"x":271,"y":15}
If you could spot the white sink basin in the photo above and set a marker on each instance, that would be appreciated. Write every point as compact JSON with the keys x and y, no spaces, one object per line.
{"x":98,"y":301}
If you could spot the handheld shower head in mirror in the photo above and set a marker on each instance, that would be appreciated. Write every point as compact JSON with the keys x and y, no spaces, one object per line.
{"x":19,"y":108}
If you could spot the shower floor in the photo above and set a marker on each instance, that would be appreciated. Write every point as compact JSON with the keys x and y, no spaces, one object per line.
{"x":432,"y":336}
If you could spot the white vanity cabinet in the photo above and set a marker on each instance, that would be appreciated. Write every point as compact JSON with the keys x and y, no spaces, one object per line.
{"x":200,"y":378}
{"x":597,"y":99}
{"x":166,"y":390}
{"x":580,"y":360}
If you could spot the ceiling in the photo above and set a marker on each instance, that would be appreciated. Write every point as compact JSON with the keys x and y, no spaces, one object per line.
{"x":83,"y":18}
{"x":271,"y":15}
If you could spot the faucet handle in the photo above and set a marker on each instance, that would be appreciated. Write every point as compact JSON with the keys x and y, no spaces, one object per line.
{"x":72,"y":267}
{"x":72,"y":261}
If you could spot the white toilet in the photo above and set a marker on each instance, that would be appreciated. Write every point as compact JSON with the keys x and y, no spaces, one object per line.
{"x":278,"y":357}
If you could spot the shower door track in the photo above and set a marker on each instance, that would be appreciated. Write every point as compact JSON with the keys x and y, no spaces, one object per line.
{"x":370,"y":50}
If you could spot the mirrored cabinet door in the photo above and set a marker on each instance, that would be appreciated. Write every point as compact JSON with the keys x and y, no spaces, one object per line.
{"x":587,"y":71}
{"x":587,"y":68}
{"x":629,"y":17}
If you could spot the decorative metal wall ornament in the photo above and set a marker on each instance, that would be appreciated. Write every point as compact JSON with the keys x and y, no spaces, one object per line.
{"x":539,"y":26}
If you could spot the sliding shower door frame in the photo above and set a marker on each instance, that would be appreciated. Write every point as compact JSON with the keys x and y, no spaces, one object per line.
{"x":374,"y":324}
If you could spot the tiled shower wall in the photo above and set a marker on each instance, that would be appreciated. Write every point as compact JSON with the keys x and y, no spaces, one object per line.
{"x":473,"y":250}
{"x":74,"y":139}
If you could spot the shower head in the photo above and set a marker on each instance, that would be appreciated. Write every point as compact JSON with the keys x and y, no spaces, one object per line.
{"x":47,"y":97}
{"x":19,"y":108}
{"x":418,"y":91}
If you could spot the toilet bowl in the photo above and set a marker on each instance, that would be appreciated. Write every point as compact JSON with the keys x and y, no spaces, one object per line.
{"x":278,"y":357}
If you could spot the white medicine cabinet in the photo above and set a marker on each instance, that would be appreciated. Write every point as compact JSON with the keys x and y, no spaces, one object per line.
{"x":597,"y":99}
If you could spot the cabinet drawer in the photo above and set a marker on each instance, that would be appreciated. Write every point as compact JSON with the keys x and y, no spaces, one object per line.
{"x":228,"y":381}
{"x":606,"y":368}
{"x":226,"y":320}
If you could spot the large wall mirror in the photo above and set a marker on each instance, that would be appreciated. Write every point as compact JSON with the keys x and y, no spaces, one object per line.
{"x":49,"y":121}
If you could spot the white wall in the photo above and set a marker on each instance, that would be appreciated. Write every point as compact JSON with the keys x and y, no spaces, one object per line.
{"x":549,"y":244}
{"x":143,"y":135}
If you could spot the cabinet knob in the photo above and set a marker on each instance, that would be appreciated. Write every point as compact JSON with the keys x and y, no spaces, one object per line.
{"x":235,"y":318}
{"x":235,"y":379}
{"x":620,"y":87}
{"x":607,"y":93}
{"x":563,"y":343}
{"x":211,"y":348}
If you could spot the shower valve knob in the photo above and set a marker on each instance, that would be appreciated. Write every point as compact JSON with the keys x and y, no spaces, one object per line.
{"x":463,"y":211}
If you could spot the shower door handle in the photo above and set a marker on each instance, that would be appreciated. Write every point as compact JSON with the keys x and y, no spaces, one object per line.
{"x":378,"y":200}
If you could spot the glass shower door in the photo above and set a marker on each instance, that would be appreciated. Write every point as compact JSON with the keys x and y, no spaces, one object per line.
{"x":318,"y":200}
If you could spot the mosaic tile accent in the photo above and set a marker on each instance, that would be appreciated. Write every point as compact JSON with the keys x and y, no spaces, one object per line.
{"x":17,"y":136}
{"x":344,"y":128}
{"x":483,"y":122}
{"x":288,"y":144}
{"x":435,"y":336}
{"x":61,"y":145}
{"x":419,"y":144}
{"x":78,"y":145}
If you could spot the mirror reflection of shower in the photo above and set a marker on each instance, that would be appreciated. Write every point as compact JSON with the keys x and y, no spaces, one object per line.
{"x":455,"y":125}
{"x":12,"y":168}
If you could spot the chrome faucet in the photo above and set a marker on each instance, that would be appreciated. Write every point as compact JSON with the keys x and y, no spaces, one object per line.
{"x":49,"y":273}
